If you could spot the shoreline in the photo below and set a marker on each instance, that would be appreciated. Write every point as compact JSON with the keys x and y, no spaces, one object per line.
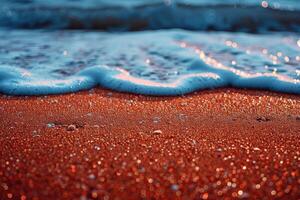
{"x":101,"y":144}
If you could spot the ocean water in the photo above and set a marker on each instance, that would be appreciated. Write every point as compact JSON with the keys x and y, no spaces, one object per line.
{"x":132,"y":15}
{"x":182,"y":46}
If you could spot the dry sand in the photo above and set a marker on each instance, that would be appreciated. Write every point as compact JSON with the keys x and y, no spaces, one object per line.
{"x":98,"y":144}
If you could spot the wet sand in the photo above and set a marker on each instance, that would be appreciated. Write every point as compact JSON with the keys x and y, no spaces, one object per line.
{"x":98,"y":144}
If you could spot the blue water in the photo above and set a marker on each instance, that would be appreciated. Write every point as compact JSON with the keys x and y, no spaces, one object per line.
{"x":163,"y":59}
{"x":123,"y":15}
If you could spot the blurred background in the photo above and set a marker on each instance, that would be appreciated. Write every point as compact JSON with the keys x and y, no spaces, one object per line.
{"x":133,"y":15}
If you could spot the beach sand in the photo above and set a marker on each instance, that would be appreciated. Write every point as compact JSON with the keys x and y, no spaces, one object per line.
{"x":99,"y":144}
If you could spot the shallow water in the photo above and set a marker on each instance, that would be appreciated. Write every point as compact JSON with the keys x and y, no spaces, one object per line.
{"x":153,"y":62}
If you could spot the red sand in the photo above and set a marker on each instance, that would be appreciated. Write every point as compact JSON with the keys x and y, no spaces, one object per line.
{"x":214,"y":144}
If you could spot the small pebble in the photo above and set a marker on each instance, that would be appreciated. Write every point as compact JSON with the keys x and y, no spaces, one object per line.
{"x":256,"y":149}
{"x":156,"y":119}
{"x":71,"y":127}
{"x":91,"y":176}
{"x":263,"y":119}
{"x":157,"y":132}
{"x":50,"y":125}
{"x":174,"y":187}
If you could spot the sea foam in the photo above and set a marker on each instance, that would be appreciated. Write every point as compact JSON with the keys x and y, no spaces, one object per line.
{"x":165,"y":62}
